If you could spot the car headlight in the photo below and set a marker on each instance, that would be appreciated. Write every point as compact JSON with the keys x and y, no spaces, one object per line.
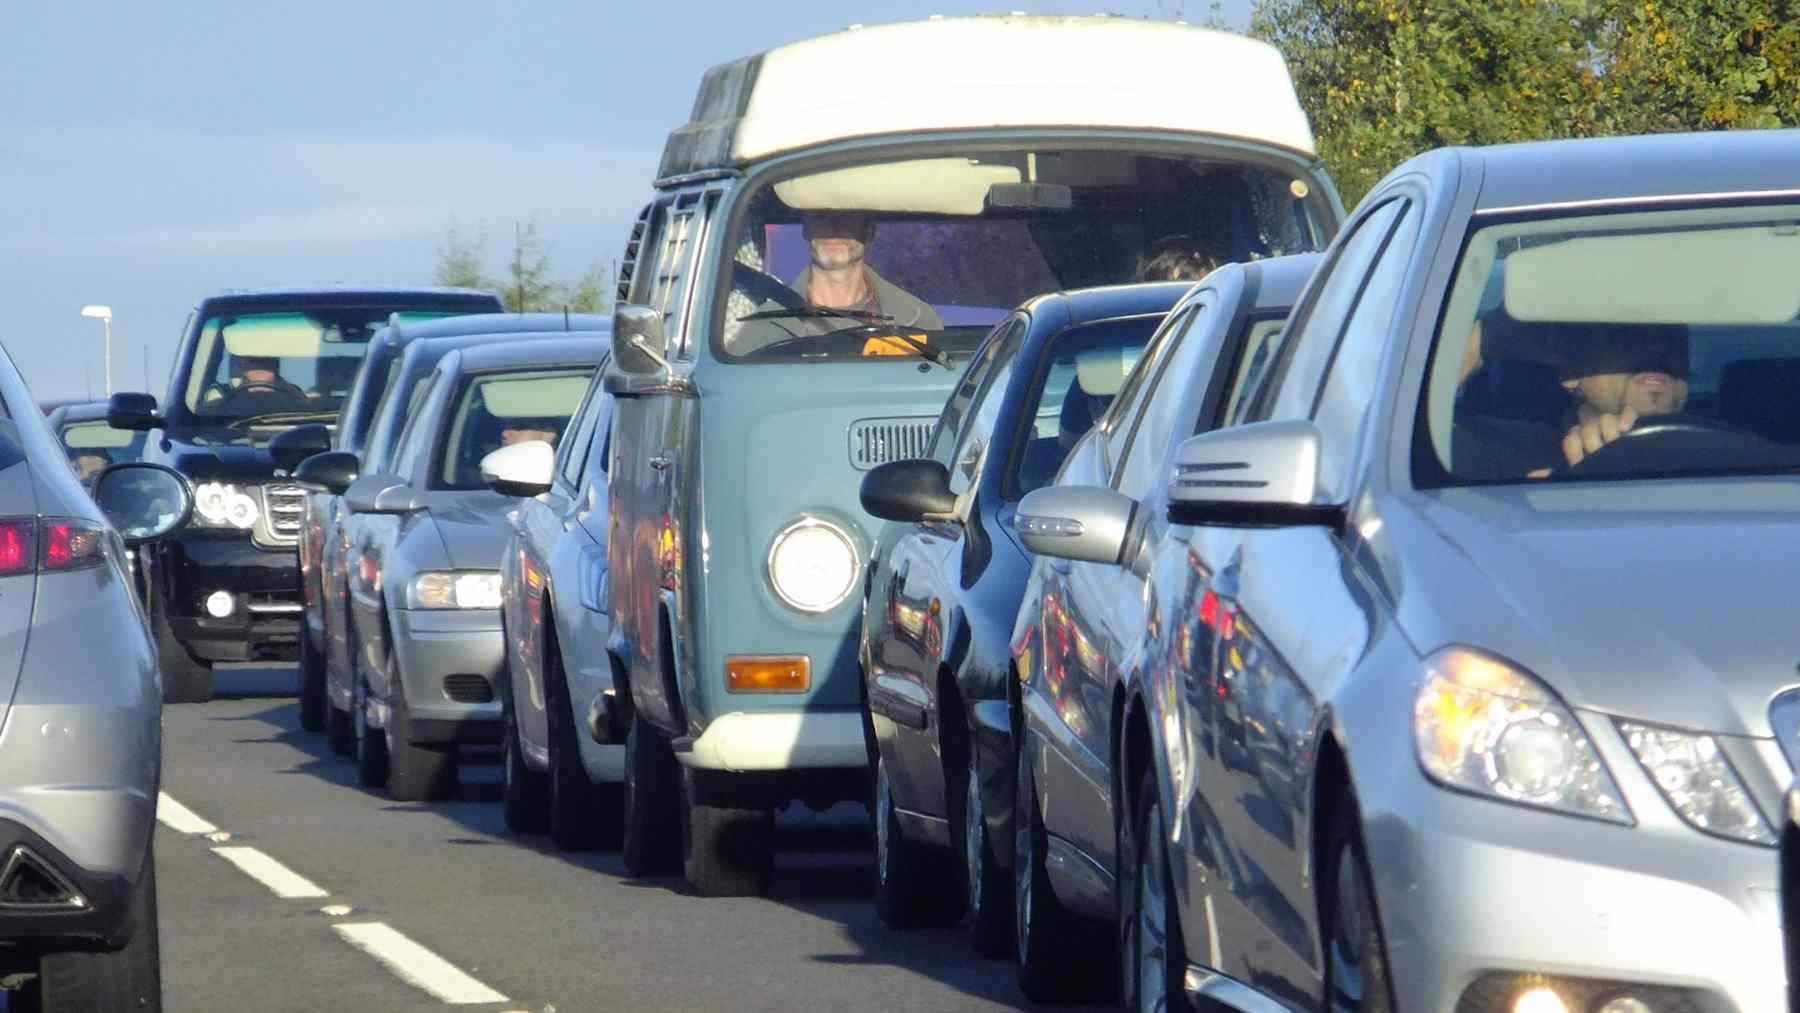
{"x":813,"y":565}
{"x":448,"y":590}
{"x":1698,"y":781}
{"x":221,"y":505}
{"x":1484,"y":726}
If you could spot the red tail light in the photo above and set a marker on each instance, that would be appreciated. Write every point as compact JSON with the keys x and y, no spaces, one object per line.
{"x":54,"y":543}
{"x":18,"y":547}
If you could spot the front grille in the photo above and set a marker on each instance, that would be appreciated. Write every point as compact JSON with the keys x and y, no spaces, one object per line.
{"x":878,"y":441}
{"x":468,"y":687}
{"x":283,"y":509}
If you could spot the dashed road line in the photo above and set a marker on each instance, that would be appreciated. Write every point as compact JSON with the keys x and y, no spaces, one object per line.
{"x":180,"y":818}
{"x":283,"y":881}
{"x":416,"y":965}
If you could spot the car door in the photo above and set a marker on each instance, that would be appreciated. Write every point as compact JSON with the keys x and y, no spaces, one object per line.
{"x":578,"y":565}
{"x":904,"y":690}
{"x":1290,"y":612}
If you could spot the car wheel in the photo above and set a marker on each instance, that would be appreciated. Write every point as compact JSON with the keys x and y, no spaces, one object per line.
{"x":313,"y":704}
{"x":987,"y":887}
{"x":416,"y":773}
{"x":652,"y":803}
{"x":1356,"y":976}
{"x":727,"y":849}
{"x":1052,"y":964}
{"x":913,"y":886}
{"x":184,"y":680}
{"x":371,"y":744}
{"x":583,"y":815}
{"x":125,"y":979}
{"x":1152,"y":956}
{"x":524,"y":792}
{"x":340,"y":730}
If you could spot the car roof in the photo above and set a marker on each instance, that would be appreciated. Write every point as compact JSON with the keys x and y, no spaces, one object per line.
{"x":536,"y":350}
{"x":85,"y":411}
{"x":987,"y":72}
{"x":350,"y":295}
{"x":1635,"y":168}
{"x":493,"y":324}
{"x":1104,"y":302}
{"x":1280,"y":280}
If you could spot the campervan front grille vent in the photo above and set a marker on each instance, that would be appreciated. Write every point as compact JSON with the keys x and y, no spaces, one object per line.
{"x":878,"y":441}
{"x":628,"y":266}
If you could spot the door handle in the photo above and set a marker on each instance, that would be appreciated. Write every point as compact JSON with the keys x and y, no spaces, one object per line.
{"x":662,"y":462}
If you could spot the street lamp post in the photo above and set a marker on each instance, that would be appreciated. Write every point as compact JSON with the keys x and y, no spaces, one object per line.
{"x":105,"y":315}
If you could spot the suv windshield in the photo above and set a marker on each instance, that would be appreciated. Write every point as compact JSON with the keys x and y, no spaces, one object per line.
{"x":1635,"y":345}
{"x":250,"y":365}
{"x":501,"y":409}
{"x":922,"y":256}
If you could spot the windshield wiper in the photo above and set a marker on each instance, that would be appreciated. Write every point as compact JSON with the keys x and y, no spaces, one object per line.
{"x":921,"y":349}
{"x":278,"y":418}
{"x":861,"y":316}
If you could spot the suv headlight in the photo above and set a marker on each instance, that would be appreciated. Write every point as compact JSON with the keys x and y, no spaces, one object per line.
{"x":1698,"y":781}
{"x":813,"y":565}
{"x":450,"y":590}
{"x":221,"y":505}
{"x":1484,"y":726}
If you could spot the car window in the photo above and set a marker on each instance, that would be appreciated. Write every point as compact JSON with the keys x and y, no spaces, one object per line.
{"x":979,"y":431}
{"x":948,"y":433}
{"x":500,"y":409}
{"x":1314,"y":336}
{"x":1083,"y":369}
{"x":407,"y":448}
{"x":1169,"y":401}
{"x":1258,"y":352}
{"x":1350,"y":385}
{"x":1126,"y":405}
{"x":572,"y":452}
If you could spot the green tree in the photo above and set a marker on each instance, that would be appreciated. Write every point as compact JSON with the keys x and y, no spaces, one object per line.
{"x":459,"y":258}
{"x":1701,"y":65}
{"x":526,"y":282}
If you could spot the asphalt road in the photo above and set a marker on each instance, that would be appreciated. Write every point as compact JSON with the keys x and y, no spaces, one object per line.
{"x":425,"y":904}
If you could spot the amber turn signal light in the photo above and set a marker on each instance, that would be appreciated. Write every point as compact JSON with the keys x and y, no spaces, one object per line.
{"x":768,"y":674}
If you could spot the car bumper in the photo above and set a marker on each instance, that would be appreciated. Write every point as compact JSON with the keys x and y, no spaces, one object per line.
{"x":449,"y":663}
{"x":777,"y":740}
{"x":265,"y":620}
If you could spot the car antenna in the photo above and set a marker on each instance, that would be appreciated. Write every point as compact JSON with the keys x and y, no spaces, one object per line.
{"x":566,"y":326}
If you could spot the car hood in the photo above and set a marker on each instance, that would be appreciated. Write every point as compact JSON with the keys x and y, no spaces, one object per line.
{"x":474,"y":527}
{"x":1671,"y":603}
{"x":235,"y":462}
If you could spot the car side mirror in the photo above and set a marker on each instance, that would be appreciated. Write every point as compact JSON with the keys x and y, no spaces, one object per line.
{"x":1264,"y":474}
{"x":144,"y":502}
{"x":333,"y":471}
{"x":137,"y":412}
{"x":381,"y":494}
{"x":639,"y":345}
{"x":523,"y":469}
{"x":910,"y":491}
{"x":1085,"y":523}
{"x":299,"y":443}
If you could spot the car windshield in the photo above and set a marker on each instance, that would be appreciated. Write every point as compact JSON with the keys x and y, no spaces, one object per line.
{"x":94,"y":445}
{"x":250,"y":365}
{"x":924,"y":255}
{"x":1087,"y":365}
{"x":500,"y":409}
{"x":1632,"y":345}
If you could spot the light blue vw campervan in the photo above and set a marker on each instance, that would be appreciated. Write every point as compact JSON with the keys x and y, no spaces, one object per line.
{"x":833,"y":234}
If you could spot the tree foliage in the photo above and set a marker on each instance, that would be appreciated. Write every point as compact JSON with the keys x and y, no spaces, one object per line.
{"x":1383,"y":80}
{"x":526,"y":282}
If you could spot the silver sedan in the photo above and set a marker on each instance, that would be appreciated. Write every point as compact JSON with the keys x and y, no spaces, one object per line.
{"x":1466,"y":677}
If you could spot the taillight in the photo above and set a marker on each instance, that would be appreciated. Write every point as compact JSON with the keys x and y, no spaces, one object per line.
{"x":18,"y":547}
{"x":54,"y":543}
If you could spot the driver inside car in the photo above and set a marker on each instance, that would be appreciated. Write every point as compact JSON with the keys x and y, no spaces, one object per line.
{"x":256,"y":376}
{"x":1618,"y":377}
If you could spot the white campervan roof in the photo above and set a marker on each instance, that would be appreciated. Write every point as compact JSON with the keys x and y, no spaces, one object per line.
{"x":989,"y":72}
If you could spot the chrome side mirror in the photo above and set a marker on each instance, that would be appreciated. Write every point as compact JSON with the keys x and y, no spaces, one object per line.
{"x":144,"y":502}
{"x":1080,"y":522}
{"x":1260,"y":474}
{"x":639,"y":345}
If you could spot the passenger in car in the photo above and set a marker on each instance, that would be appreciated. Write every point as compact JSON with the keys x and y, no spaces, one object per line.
{"x":1176,"y":258}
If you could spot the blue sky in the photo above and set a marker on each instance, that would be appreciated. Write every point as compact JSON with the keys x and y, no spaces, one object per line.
{"x":151,"y":154}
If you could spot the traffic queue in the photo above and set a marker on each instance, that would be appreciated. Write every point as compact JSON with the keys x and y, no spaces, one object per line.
{"x":1216,"y":596}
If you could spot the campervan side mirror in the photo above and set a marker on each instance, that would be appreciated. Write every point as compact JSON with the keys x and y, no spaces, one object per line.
{"x":639,"y":345}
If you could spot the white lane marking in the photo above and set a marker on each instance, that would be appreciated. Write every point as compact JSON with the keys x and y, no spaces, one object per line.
{"x":416,"y":965}
{"x":180,"y":818}
{"x":1212,"y":934}
{"x":285,"y":882}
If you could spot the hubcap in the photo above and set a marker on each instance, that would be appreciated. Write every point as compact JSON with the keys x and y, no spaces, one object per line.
{"x":883,"y":799}
{"x":1150,"y":935}
{"x":974,"y":834}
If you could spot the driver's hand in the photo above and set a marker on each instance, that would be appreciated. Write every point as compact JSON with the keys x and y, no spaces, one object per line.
{"x":1596,"y":432}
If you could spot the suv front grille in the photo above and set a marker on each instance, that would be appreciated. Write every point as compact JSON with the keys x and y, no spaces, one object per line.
{"x":878,"y":441}
{"x":283,"y":508}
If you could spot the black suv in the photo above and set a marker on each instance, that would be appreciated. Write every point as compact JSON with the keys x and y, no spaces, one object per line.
{"x":251,"y":366}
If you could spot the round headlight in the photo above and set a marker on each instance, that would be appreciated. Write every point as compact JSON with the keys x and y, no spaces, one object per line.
{"x":210,"y":502}
{"x":813,"y":565}
{"x":240,"y":510}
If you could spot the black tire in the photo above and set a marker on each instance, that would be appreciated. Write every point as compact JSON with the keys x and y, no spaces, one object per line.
{"x":524,"y":793}
{"x":915,"y":886}
{"x":1152,"y":954}
{"x":727,"y":850}
{"x":1356,"y":967}
{"x":651,"y":806}
{"x":583,"y":815}
{"x":125,"y":979}
{"x":987,"y":888}
{"x":1052,"y":963}
{"x":184,"y":680}
{"x":416,"y":773}
{"x":340,"y":731}
{"x":371,"y":743}
{"x":313,"y":704}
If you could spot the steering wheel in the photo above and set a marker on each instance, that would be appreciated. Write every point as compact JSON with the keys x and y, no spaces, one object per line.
{"x":1675,"y":443}
{"x":258,"y":390}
